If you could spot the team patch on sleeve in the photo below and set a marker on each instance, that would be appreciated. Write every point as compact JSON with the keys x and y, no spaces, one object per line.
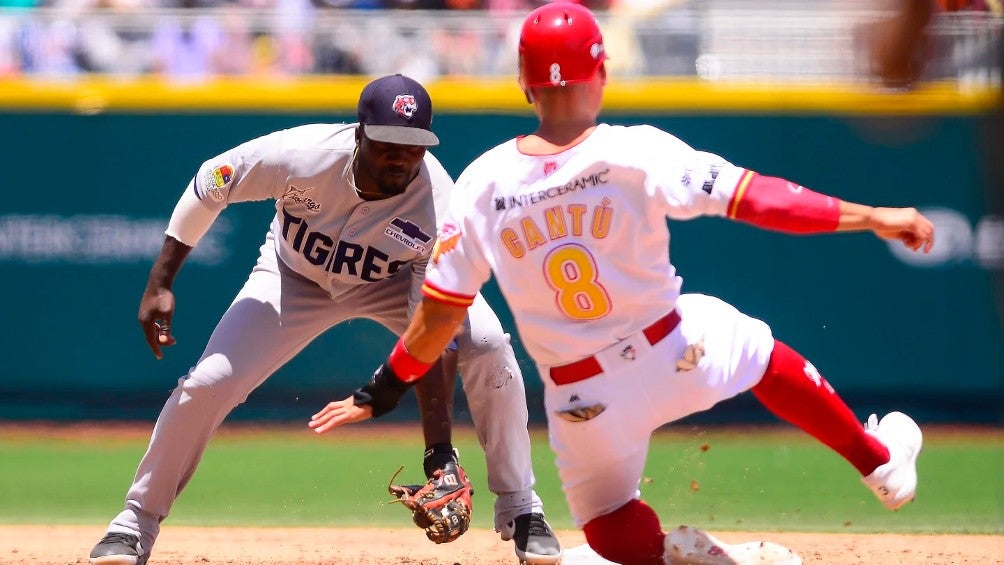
{"x":217,"y":179}
{"x":448,"y":239}
{"x":446,"y":297}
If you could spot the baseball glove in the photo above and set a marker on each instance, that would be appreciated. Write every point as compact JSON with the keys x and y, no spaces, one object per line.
{"x":442,"y":506}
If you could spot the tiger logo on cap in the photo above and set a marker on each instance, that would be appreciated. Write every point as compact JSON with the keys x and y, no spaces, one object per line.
{"x":405,"y":105}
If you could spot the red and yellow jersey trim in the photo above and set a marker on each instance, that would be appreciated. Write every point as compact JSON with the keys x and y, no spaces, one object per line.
{"x":737,"y":196}
{"x":433,"y":292}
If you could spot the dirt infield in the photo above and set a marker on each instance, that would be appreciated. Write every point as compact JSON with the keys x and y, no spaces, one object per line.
{"x":61,"y":545}
{"x":183,"y":545}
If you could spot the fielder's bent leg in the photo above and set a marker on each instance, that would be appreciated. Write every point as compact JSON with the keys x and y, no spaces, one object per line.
{"x":493,"y":384}
{"x":234,"y":364}
{"x":186,"y":423}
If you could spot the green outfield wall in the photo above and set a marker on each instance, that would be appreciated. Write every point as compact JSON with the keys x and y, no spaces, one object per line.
{"x":91,"y":177}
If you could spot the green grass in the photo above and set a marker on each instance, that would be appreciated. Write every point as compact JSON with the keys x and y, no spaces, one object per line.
{"x":751,"y":481}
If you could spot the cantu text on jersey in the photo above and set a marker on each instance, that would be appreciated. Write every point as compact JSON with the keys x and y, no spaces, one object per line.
{"x":558,"y":222}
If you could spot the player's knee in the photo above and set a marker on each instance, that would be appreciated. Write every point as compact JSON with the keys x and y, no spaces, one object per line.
{"x":630,"y":535}
{"x":490,"y":359}
{"x":205,"y":389}
{"x":484,"y":341}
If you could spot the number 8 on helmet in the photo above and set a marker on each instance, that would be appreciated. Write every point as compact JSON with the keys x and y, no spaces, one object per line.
{"x":560,"y":43}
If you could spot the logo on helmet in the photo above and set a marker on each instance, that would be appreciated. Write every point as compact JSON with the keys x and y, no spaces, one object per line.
{"x":595,"y":50}
{"x":405,"y":106}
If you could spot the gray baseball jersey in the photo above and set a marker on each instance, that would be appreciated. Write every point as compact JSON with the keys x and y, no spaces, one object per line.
{"x":330,"y":256}
{"x":322,"y":228}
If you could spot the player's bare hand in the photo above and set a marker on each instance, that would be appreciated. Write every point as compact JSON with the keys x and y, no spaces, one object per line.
{"x":906,"y":225}
{"x":339,"y":413}
{"x":155,"y":311}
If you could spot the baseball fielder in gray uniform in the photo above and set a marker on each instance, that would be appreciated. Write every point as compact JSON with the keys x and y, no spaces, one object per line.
{"x":355,"y":223}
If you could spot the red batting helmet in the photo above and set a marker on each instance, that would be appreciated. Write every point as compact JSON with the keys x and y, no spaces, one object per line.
{"x":560,"y":43}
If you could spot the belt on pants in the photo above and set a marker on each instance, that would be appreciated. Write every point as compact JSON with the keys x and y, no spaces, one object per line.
{"x":590,"y":367}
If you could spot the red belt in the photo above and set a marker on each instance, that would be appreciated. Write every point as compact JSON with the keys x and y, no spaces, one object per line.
{"x":590,"y":367}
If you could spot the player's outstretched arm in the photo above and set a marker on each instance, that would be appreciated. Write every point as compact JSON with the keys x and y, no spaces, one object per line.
{"x":903,"y":224}
{"x":777,"y":204}
{"x":156,"y":307}
{"x":432,"y":327}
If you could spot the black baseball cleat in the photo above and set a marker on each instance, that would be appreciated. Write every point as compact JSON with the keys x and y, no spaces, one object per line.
{"x":534,"y":539}
{"x":117,"y":548}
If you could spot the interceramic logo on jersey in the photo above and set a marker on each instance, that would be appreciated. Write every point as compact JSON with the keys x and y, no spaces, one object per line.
{"x":583,"y":182}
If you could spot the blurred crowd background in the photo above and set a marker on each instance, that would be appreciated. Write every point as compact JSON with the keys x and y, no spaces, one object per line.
{"x":720,"y":40}
{"x":107,"y":105}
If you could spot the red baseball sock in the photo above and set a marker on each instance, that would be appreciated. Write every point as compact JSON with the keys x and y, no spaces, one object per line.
{"x":630,"y":535}
{"x":794,"y":391}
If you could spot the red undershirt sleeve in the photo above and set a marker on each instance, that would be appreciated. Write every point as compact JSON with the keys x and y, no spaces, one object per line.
{"x":777,"y":204}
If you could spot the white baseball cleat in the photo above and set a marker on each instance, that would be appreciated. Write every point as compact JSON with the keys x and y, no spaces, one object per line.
{"x":895,"y":483}
{"x":583,"y":555}
{"x":690,"y":546}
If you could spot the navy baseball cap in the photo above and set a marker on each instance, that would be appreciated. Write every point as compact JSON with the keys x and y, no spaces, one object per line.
{"x":396,"y":109}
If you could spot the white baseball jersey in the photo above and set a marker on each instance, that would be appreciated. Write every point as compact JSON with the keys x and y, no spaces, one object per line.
{"x":322,"y":228}
{"x":578,"y":241}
